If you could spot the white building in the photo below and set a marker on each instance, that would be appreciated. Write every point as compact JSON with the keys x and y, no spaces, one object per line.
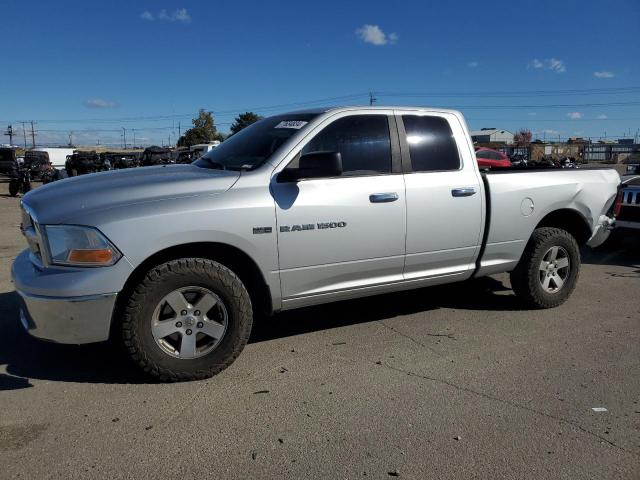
{"x":492,"y":135}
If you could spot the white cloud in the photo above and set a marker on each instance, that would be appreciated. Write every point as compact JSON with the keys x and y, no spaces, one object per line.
{"x":532,"y":114}
{"x":99,"y":103}
{"x":604,"y":74}
{"x":374,"y":35}
{"x":552,"y":64}
{"x":179,"y":15}
{"x":602,"y":116}
{"x":473,"y":64}
{"x":574,"y":115}
{"x":551,"y":132}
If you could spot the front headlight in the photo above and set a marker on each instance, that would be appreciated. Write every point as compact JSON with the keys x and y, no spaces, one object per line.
{"x":74,"y":245}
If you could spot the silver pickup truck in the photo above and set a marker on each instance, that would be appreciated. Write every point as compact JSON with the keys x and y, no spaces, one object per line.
{"x":298,"y":209}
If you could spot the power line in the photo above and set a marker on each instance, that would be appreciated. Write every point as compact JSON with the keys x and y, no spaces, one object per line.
{"x":372,"y":98}
{"x":516,"y":93}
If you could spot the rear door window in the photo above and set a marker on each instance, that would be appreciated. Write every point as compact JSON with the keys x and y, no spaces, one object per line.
{"x":431,"y":144}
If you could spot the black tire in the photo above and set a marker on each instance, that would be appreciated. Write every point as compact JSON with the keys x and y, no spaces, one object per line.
{"x":527,"y":277}
{"x":148,"y":294}
{"x":26,"y":187}
{"x":14,"y":187}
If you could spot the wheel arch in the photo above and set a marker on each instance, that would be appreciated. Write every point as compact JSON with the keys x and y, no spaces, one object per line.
{"x":570,"y":220}
{"x":230,"y":256}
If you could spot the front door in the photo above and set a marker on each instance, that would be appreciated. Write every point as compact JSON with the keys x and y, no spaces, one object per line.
{"x":345,"y":232}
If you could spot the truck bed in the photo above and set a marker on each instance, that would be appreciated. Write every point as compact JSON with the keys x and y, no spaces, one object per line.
{"x":519,"y":199}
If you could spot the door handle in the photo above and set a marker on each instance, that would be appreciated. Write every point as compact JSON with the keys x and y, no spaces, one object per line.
{"x":383,"y":197}
{"x":463,"y":192}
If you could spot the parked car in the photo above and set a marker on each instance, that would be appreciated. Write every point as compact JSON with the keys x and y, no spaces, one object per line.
{"x":633,"y":169}
{"x":8,"y":160}
{"x":627,"y":206}
{"x":56,"y":156}
{"x":156,"y":156}
{"x":37,"y":162}
{"x":295,"y":210}
{"x":183,"y":156}
{"x":83,"y":162}
{"x":488,"y":158}
{"x":20,"y":180}
{"x":119,"y":160}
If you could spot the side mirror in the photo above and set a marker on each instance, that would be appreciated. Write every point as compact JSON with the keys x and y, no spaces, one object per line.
{"x":313,"y":165}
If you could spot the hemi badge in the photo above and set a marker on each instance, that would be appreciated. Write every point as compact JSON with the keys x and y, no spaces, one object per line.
{"x":257,"y":230}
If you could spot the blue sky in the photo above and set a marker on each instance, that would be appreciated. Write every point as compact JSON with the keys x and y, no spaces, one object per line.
{"x":95,"y":67}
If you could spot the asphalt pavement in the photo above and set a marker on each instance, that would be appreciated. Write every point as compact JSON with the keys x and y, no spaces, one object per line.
{"x":447,"y":382}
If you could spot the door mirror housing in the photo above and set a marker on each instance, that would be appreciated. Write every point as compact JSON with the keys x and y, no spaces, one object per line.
{"x":313,"y":165}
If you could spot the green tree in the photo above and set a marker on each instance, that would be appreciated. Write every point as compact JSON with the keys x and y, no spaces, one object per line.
{"x":203,"y":131}
{"x":244,"y":120}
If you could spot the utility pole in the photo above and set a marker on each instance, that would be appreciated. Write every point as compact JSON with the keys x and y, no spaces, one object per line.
{"x":372,"y":98}
{"x":124,"y":136}
{"x":70,"y":137}
{"x":134,"y":137}
{"x":24,"y":134}
{"x":33,"y":135}
{"x":179,"y":133}
{"x":9,"y":133}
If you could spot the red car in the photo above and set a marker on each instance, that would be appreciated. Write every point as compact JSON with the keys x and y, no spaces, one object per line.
{"x":488,"y":158}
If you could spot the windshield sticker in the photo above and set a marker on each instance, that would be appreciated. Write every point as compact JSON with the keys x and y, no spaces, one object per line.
{"x":295,"y":124}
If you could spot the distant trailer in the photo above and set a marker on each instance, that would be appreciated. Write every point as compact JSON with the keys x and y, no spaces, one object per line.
{"x":202,"y":148}
{"x":57,"y":156}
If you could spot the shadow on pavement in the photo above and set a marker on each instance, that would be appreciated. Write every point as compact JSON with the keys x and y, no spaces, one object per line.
{"x":621,"y":249}
{"x":27,"y":358}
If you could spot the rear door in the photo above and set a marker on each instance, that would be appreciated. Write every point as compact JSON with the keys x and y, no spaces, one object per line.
{"x":347,"y":232}
{"x":444,"y":196}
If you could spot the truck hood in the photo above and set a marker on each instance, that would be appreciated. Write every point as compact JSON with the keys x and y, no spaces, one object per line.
{"x":59,"y":201}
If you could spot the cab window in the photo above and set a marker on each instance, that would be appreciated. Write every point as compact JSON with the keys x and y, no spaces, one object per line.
{"x":431,"y":144}
{"x":362,"y":140}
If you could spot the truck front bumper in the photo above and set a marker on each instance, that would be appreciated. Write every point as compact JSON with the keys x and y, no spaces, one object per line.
{"x":67,"y":319}
{"x":67,"y":305}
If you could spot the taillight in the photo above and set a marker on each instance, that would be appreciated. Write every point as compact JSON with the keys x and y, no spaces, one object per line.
{"x":618,"y":205}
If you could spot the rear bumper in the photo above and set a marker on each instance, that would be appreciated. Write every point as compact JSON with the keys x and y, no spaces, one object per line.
{"x":602,"y":231}
{"x":73,"y":320}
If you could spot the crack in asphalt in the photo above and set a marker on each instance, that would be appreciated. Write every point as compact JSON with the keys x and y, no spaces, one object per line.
{"x":512,"y":404}
{"x":409,"y":337}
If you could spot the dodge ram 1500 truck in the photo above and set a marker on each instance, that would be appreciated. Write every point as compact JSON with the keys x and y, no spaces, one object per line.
{"x":298,"y":209}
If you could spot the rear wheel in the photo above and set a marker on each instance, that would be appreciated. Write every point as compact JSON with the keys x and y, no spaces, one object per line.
{"x":188,"y":319}
{"x":548,"y":270}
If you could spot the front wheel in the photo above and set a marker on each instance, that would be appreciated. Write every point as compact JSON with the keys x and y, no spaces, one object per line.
{"x":188,"y":319}
{"x":548,"y":270}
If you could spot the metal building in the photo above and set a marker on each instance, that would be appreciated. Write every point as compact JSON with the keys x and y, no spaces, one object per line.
{"x":492,"y":135}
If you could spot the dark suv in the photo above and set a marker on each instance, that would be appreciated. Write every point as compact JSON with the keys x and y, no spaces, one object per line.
{"x":7,"y":160}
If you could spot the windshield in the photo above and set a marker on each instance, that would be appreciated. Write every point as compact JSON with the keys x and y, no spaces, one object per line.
{"x":251,"y":147}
